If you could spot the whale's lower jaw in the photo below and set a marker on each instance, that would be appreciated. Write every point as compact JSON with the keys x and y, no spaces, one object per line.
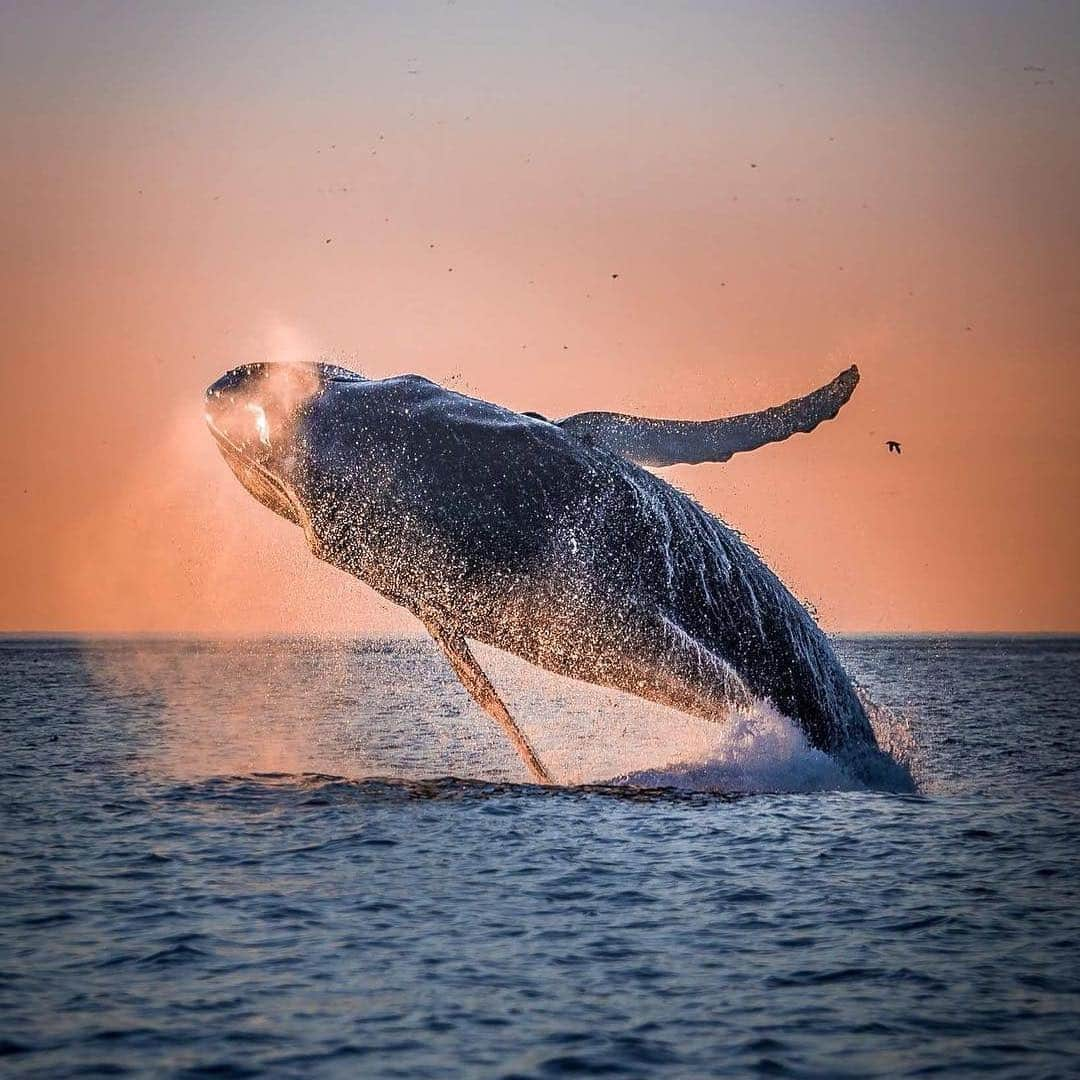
{"x":258,"y":480}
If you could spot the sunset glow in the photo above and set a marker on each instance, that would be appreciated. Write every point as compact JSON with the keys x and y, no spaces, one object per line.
{"x":672,"y":210}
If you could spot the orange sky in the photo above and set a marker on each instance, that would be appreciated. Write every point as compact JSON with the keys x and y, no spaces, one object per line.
{"x":781,"y":188}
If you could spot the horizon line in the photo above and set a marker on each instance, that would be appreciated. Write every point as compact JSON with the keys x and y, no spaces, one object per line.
{"x":207,"y":635}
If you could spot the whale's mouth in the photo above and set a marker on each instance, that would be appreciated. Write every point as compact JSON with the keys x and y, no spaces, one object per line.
{"x":271,"y":491}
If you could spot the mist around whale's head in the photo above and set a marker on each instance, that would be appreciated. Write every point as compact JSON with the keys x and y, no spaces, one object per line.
{"x":257,"y":414}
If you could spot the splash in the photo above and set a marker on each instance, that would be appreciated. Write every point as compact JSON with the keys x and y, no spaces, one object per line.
{"x":220,"y":708}
{"x":760,"y":750}
{"x":392,"y":710}
{"x":596,"y":735}
{"x":894,"y":731}
{"x":757,"y":751}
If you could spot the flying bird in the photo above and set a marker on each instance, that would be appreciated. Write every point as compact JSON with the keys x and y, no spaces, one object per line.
{"x":893,"y":445}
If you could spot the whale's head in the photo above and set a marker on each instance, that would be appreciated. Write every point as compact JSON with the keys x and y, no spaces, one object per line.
{"x":396,"y":476}
{"x":257,"y":415}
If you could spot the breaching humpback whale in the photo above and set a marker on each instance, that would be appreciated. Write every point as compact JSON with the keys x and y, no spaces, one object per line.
{"x":548,"y":540}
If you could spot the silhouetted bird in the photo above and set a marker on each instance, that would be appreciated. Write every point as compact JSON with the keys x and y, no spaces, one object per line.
{"x":894,"y":447}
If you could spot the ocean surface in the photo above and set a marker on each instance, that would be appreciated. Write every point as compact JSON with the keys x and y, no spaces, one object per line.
{"x":246,"y":858}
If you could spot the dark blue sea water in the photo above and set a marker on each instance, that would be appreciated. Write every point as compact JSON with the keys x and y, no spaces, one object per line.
{"x":236,"y":859}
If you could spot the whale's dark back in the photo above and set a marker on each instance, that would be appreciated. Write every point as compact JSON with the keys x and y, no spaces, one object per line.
{"x":659,"y":545}
{"x":444,"y":502}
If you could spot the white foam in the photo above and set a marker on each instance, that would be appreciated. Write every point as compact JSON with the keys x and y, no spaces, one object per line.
{"x":591,"y":735}
{"x":758,"y":751}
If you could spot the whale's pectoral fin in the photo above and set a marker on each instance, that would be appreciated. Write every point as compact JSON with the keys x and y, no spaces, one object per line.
{"x":691,"y":442}
{"x":479,"y":686}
